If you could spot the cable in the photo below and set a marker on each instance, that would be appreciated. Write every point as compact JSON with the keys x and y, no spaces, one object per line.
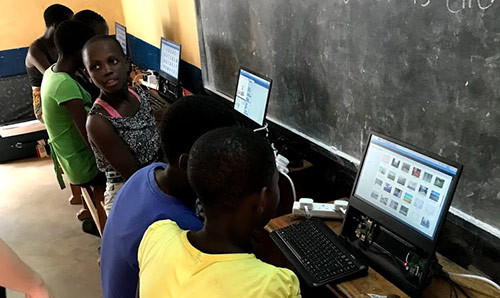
{"x":492,"y":283}
{"x":456,"y":285}
{"x":455,"y":290}
{"x":274,"y":150}
{"x":453,"y":284}
{"x":262,"y":128}
{"x":281,"y":164}
{"x":381,"y":251}
{"x":451,"y":289}
{"x":308,"y":214}
{"x":291,"y":184}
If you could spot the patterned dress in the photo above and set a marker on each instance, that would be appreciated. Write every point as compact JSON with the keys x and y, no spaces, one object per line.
{"x":139,"y":132}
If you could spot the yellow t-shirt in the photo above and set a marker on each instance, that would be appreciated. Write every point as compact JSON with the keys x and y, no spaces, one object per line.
{"x":171,"y":267}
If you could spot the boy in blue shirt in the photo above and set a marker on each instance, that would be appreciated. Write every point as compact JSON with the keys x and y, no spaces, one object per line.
{"x":157,"y":192}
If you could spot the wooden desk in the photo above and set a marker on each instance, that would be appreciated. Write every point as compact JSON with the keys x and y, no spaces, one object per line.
{"x":375,"y":283}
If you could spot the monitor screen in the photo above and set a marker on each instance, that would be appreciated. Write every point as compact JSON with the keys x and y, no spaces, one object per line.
{"x":405,"y":184}
{"x":252,"y":95}
{"x":170,"y":55}
{"x":121,"y":36}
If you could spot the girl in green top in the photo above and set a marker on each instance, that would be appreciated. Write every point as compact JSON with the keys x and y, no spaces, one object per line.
{"x":65,"y":105}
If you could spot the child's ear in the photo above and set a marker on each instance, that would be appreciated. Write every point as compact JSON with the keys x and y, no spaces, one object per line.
{"x":262,"y":201}
{"x":183,"y":161}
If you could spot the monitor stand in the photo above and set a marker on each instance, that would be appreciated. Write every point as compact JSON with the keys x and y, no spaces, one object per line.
{"x":169,"y":90}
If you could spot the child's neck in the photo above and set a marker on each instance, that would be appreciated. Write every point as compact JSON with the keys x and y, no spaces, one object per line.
{"x":48,"y":36}
{"x":66,"y":64}
{"x":173,"y":182}
{"x":117,"y":97}
{"x":222,"y":235}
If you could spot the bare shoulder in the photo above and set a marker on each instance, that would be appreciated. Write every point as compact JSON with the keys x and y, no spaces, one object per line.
{"x":99,"y":110}
{"x":96,"y":121}
{"x":33,"y":50}
{"x":37,"y":45}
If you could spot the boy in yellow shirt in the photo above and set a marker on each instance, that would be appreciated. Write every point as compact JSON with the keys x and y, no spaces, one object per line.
{"x":234,"y":175}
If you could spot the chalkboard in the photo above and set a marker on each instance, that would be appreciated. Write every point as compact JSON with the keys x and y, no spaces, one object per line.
{"x":423,"y":71}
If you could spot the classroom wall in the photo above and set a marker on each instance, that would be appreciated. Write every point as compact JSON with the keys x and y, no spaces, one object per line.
{"x":146,"y":22}
{"x":24,"y":18}
{"x":22,"y":22}
{"x":175,"y":20}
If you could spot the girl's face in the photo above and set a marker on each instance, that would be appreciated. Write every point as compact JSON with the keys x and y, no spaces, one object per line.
{"x":106,"y":65}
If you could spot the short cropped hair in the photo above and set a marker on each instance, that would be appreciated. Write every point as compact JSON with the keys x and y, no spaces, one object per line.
{"x":228,"y":164}
{"x":189,"y":118}
{"x":89,"y":17}
{"x":56,"y":14}
{"x":98,"y":38}
{"x":70,"y":37}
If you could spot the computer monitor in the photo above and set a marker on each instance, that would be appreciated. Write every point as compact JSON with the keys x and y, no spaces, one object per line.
{"x":170,"y":56}
{"x":409,"y":189}
{"x":121,"y":36}
{"x":252,"y":95}
{"x":397,"y":208}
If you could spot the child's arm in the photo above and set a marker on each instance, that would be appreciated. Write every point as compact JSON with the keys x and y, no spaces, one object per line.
{"x":37,"y":58}
{"x":104,"y":137}
{"x":16,"y":275}
{"x":77,"y":113}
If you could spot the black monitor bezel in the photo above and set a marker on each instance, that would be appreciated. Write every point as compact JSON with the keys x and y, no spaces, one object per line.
{"x":126,"y":37}
{"x":392,"y":224}
{"x":164,"y":74}
{"x":268,"y":94}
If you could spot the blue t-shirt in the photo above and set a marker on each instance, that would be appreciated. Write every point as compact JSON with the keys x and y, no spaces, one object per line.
{"x":138,"y":204}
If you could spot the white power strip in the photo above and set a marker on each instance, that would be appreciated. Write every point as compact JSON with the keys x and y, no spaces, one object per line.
{"x":150,"y":85}
{"x":307,"y":208}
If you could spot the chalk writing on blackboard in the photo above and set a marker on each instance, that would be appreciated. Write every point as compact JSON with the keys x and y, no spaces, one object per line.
{"x":454,"y":6}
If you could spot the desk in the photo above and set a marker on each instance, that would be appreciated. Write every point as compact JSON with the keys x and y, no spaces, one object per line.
{"x":375,"y":283}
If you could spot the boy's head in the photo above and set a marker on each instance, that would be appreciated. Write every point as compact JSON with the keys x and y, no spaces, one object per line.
{"x":233,"y":171}
{"x":93,"y":20}
{"x":188,"y":119}
{"x":55,"y":14}
{"x":70,"y":37}
{"x":105,"y":63}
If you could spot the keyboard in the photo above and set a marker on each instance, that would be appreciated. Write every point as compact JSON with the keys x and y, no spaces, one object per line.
{"x":156,"y":103}
{"x":317,"y":253}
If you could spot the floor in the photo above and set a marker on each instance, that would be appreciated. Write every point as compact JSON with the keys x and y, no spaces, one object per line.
{"x":37,"y":221}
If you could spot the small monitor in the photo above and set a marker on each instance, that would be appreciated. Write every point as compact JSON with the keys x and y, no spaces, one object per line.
{"x":407,"y":184}
{"x":121,"y":36}
{"x":252,"y":95}
{"x":170,"y":56}
{"x":397,"y":209}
